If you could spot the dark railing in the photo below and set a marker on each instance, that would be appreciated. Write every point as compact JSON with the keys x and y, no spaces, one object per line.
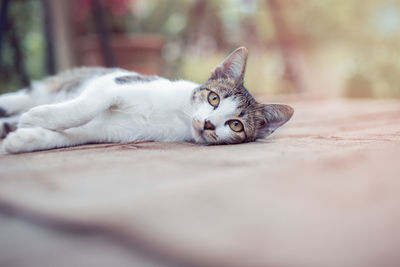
{"x":8,"y":33}
{"x":7,"y":30}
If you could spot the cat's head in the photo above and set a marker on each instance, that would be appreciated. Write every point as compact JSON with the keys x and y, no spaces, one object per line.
{"x":226,"y":113}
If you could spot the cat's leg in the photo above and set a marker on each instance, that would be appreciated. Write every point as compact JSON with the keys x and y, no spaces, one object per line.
{"x":95,"y":99}
{"x":34,"y":139}
{"x":105,"y":128}
{"x":64,"y":115}
{"x":8,"y":125}
{"x":15,"y":103}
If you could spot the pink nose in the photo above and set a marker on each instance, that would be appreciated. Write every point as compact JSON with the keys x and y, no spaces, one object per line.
{"x":208,"y":125}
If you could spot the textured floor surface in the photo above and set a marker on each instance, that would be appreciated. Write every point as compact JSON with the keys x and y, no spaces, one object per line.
{"x":322,"y":191}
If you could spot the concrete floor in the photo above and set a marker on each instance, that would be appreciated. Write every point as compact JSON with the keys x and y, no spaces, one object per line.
{"x":322,"y":191}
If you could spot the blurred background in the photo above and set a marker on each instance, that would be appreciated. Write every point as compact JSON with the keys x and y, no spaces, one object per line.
{"x":330,"y":48}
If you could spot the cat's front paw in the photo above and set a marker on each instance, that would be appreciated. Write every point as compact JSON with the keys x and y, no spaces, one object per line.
{"x":38,"y":117}
{"x":24,"y":140}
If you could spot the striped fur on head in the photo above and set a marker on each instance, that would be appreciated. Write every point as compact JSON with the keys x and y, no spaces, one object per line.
{"x":227,"y":81}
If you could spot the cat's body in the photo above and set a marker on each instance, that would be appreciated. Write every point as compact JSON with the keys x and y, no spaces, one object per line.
{"x":97,"y":105}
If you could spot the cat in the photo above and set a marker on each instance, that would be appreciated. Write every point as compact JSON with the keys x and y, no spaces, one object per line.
{"x":99,"y":105}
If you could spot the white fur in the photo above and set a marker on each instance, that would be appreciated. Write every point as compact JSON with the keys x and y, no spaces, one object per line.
{"x":160,"y":110}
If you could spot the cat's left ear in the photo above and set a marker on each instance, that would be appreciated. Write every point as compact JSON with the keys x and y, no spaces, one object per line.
{"x":233,"y":66}
{"x":275,"y":115}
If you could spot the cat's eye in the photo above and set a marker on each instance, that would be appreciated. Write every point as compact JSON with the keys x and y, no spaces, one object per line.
{"x":213,"y":99}
{"x":235,"y":125}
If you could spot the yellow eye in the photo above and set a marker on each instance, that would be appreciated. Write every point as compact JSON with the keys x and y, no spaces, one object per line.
{"x":213,"y":99}
{"x":235,"y":125}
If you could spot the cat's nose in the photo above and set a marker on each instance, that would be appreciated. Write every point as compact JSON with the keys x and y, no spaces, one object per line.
{"x":208,"y":125}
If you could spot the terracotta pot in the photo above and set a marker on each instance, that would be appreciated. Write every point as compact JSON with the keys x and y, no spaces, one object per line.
{"x":141,"y":53}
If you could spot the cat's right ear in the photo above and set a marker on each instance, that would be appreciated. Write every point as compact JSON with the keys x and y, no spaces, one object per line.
{"x":275,"y":115}
{"x":233,"y":66}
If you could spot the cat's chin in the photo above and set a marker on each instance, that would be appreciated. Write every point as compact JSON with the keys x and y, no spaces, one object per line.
{"x":199,"y":137}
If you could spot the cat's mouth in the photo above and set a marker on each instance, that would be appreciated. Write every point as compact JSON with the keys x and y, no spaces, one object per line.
{"x":201,"y":135}
{"x":205,"y":137}
{"x":209,"y":135}
{"x":198,"y":135}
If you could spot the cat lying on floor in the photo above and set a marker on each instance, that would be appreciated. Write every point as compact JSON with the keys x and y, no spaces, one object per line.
{"x":99,"y":105}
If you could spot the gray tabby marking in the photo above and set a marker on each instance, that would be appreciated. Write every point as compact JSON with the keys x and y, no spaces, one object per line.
{"x":135,"y":78}
{"x":3,"y":112}
{"x":70,"y":80}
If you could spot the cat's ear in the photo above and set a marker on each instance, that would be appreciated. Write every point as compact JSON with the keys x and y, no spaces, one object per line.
{"x":275,"y":115}
{"x":233,"y":66}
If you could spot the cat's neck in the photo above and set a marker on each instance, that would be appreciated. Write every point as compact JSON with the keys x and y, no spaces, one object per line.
{"x":182,"y":92}
{"x":172,"y":110}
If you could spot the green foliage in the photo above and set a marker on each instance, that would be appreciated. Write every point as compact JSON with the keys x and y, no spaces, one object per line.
{"x":27,"y":18}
